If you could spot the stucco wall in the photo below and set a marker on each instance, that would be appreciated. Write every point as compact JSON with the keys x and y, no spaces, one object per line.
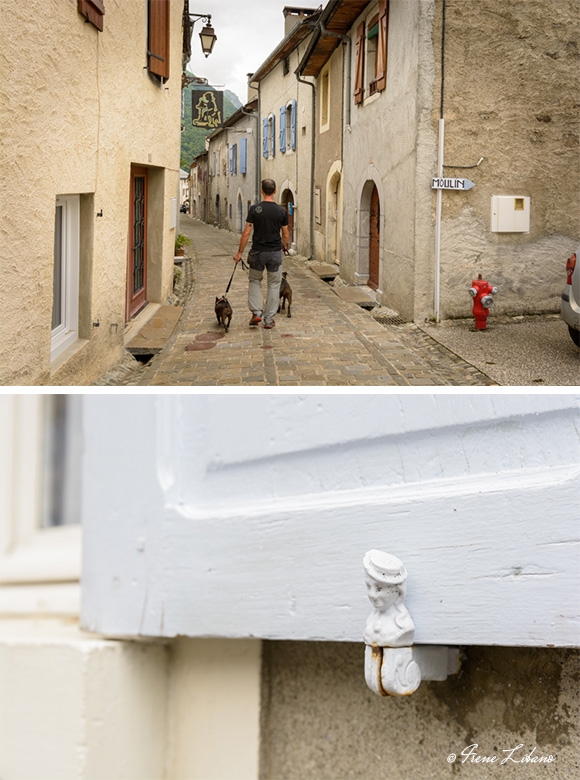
{"x":320,"y":721}
{"x":78,"y":108}
{"x":512,"y":79}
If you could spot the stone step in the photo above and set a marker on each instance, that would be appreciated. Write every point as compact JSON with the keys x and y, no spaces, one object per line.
{"x":325,"y":271}
{"x":355,"y":295}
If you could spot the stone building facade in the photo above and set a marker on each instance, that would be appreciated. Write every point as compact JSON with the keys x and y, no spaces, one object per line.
{"x":286,"y":111}
{"x":100,"y":119}
{"x":509,"y":105}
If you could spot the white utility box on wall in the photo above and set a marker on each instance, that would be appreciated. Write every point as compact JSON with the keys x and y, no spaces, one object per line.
{"x":510,"y":214}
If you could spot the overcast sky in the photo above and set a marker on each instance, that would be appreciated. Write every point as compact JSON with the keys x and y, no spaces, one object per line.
{"x":247,"y":31}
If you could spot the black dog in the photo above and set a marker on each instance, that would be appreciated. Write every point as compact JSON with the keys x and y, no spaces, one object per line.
{"x":223,"y":311}
{"x":285,"y":294}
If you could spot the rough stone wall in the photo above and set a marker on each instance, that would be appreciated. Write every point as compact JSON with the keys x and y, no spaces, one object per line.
{"x":320,"y":721}
{"x":512,"y":80}
{"x":77,"y":109}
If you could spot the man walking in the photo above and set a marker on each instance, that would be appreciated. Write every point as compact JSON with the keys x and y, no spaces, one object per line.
{"x":268,"y":219}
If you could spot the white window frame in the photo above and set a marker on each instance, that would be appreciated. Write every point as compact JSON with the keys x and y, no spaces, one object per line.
{"x":271,"y":138}
{"x":67,"y":331}
{"x":368,"y":76}
{"x":289,"y":149}
{"x":39,"y":567}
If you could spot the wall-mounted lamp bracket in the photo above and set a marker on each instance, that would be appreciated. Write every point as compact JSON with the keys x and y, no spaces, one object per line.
{"x":393,"y":665}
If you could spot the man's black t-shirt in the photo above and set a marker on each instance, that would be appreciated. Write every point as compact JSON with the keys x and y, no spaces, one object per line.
{"x":267,"y":218}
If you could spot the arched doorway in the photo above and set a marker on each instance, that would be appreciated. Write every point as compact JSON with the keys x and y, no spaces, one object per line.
{"x":374,"y":238}
{"x":333,"y":218}
{"x":240,"y":215}
{"x":288,"y":203}
{"x":217,"y":210}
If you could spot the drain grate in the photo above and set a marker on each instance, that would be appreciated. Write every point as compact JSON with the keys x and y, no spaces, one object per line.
{"x":391,"y":320}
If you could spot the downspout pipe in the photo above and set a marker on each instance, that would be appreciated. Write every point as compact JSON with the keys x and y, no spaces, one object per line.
{"x":440,"y":160}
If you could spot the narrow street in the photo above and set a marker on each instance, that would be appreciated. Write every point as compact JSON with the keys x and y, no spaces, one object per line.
{"x":327,"y":341}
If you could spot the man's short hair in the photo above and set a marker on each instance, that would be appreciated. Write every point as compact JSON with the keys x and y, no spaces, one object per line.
{"x":268,"y":186}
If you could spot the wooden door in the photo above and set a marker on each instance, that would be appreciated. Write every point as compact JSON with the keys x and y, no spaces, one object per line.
{"x":374,"y":239}
{"x":137,"y":260}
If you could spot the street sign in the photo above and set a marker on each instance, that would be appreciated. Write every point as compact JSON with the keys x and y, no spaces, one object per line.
{"x":451,"y":184}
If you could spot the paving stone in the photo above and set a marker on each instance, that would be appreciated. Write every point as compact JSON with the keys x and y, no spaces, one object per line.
{"x":329,"y":340}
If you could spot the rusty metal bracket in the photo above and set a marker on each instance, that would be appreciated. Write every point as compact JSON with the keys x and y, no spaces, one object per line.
{"x":393,"y":665}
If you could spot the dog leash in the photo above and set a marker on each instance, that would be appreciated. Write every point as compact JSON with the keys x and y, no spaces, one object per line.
{"x":232,"y":276}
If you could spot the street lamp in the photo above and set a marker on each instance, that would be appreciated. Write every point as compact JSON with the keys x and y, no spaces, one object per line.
{"x":207,"y":35}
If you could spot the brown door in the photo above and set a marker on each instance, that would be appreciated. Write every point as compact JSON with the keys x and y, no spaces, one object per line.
{"x":137,"y":260}
{"x":374,"y":240}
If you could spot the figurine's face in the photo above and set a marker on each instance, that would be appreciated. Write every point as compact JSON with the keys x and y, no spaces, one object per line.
{"x":381,"y":595}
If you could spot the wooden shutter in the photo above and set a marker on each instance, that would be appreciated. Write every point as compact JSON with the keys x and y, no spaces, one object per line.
{"x":478,"y":495}
{"x":243,"y":148}
{"x":93,"y":11}
{"x":360,"y":58}
{"x":158,"y":52}
{"x":283,"y":129}
{"x":381,"y":82}
{"x":265,"y":138}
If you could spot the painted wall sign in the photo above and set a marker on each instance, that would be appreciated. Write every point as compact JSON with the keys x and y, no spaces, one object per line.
{"x":451,"y":184}
{"x":207,"y":108}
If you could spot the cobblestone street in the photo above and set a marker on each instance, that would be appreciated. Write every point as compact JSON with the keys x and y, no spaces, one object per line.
{"x":327,"y":341}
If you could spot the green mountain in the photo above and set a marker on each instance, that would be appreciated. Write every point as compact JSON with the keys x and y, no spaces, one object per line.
{"x":193,"y":138}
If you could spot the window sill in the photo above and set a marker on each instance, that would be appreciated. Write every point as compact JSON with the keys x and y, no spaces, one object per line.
{"x":51,"y":555}
{"x":59,"y":361}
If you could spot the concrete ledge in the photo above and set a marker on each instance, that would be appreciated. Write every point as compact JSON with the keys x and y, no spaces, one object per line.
{"x":154,"y":333}
{"x":325,"y":271}
{"x":355,"y":295}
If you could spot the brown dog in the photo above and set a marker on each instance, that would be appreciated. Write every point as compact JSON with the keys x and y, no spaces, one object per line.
{"x":223,"y":311}
{"x":285,"y":294}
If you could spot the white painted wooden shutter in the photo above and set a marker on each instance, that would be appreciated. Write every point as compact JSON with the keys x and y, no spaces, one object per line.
{"x":249,"y":515}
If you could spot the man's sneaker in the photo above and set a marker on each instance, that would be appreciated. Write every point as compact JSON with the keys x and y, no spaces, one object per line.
{"x":270,"y":324}
{"x":256,"y":319}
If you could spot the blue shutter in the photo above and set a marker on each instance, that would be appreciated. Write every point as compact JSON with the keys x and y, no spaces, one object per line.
{"x":265,"y":139}
{"x":273,"y":135}
{"x":293,"y":124}
{"x":231,"y":160}
{"x":283,"y":129}
{"x":235,"y":159}
{"x":243,"y":147}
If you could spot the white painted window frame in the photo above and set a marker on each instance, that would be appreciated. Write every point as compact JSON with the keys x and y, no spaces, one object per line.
{"x":39,"y":567}
{"x":368,"y":77}
{"x":66,"y":333}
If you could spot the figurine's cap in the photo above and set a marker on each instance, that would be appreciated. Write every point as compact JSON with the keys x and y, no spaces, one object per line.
{"x":383,"y":567}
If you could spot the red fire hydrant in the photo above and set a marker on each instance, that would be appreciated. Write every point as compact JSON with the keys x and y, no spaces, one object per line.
{"x":482,"y":293}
